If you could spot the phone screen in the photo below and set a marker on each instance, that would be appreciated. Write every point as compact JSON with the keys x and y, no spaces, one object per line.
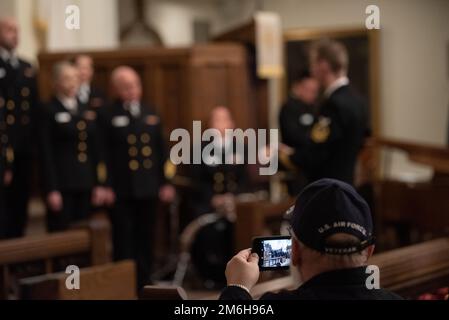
{"x":274,"y":252}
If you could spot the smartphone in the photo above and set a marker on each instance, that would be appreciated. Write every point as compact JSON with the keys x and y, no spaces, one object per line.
{"x":274,"y":252}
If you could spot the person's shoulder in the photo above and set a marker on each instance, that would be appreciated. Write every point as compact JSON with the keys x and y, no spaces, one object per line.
{"x":29,"y":70}
{"x":109,"y":109}
{"x":49,"y":109}
{"x":388,"y":295}
{"x":150,"y":109}
{"x":283,"y":295}
{"x":51,"y":105}
{"x":25,"y":63}
{"x":346,"y":97}
{"x":346,"y":103}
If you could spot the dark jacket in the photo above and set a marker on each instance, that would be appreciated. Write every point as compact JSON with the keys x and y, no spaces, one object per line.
{"x":18,"y":87}
{"x":295,"y":121}
{"x":4,"y":143}
{"x":69,"y":148}
{"x":135,"y":151}
{"x":97,"y":98}
{"x":209,"y":180}
{"x":344,"y":284}
{"x":336,"y":138}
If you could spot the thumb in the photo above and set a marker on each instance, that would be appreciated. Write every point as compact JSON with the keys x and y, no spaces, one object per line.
{"x":253,"y":258}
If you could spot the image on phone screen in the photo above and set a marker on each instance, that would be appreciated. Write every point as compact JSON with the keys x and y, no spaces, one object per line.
{"x":274,"y":252}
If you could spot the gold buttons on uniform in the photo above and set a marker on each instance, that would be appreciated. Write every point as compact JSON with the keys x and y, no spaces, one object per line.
{"x":25,"y":92}
{"x":132,"y":139}
{"x":219,"y":177}
{"x":218,"y":187}
{"x":133,"y":152}
{"x":81,"y":125}
{"x":2,"y":102}
{"x":82,"y":146}
{"x":145,"y":138}
{"x":134,"y":165}
{"x":10,"y":105}
{"x":146,"y":151}
{"x":25,"y":105}
{"x":147,"y":163}
{"x":82,"y":136}
{"x":10,"y":119}
{"x":82,"y":157}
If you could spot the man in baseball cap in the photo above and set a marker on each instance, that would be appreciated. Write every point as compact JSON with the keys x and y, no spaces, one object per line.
{"x":332,"y":240}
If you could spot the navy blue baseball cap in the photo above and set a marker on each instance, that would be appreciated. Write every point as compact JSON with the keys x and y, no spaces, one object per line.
{"x":327,"y":207}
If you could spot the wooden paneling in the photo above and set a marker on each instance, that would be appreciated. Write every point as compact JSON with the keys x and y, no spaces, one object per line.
{"x":182,"y":84}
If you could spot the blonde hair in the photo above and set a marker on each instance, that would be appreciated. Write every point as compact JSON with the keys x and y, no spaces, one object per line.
{"x":333,"y":52}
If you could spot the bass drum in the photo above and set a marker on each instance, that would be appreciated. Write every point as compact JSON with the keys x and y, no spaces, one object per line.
{"x":211,"y":250}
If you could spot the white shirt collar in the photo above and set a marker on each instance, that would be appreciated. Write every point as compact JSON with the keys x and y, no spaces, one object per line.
{"x":337,"y":84}
{"x":133,"y":107}
{"x":71,"y":104}
{"x":11,"y":56}
{"x":84,"y":92}
{"x":85,"y":87}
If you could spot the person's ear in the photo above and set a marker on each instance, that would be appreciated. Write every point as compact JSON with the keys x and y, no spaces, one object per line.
{"x":296,"y":253}
{"x":370,"y":251}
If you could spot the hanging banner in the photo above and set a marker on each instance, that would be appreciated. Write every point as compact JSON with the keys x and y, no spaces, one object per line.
{"x":269,"y":45}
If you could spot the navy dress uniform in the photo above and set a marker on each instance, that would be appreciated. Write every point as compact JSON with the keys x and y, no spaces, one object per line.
{"x":336,"y":137}
{"x":214,"y":179}
{"x":135,"y":155}
{"x":19,"y":90}
{"x":295,"y":123}
{"x":71,"y":159}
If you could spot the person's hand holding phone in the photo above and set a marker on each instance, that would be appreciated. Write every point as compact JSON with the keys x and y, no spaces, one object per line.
{"x":243,"y":269}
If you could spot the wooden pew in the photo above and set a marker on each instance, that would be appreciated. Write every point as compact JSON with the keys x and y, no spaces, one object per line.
{"x":408,"y":271}
{"x":418,"y":206}
{"x":414,"y":269}
{"x":39,"y":255}
{"x":113,"y":281}
{"x":163,"y":293}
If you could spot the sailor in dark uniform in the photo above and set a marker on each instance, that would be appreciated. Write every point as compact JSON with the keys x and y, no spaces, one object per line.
{"x":70,"y":153}
{"x":88,"y":94}
{"x":296,"y":119}
{"x":217,"y":182}
{"x":135,"y":157}
{"x":339,"y":131}
{"x":18,"y":85}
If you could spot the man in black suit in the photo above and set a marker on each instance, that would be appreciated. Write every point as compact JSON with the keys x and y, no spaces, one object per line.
{"x":70,"y":153}
{"x":87,"y":93}
{"x":135,"y":154}
{"x":332,"y":240}
{"x":339,"y":130}
{"x":19,"y":89}
{"x":296,"y":119}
